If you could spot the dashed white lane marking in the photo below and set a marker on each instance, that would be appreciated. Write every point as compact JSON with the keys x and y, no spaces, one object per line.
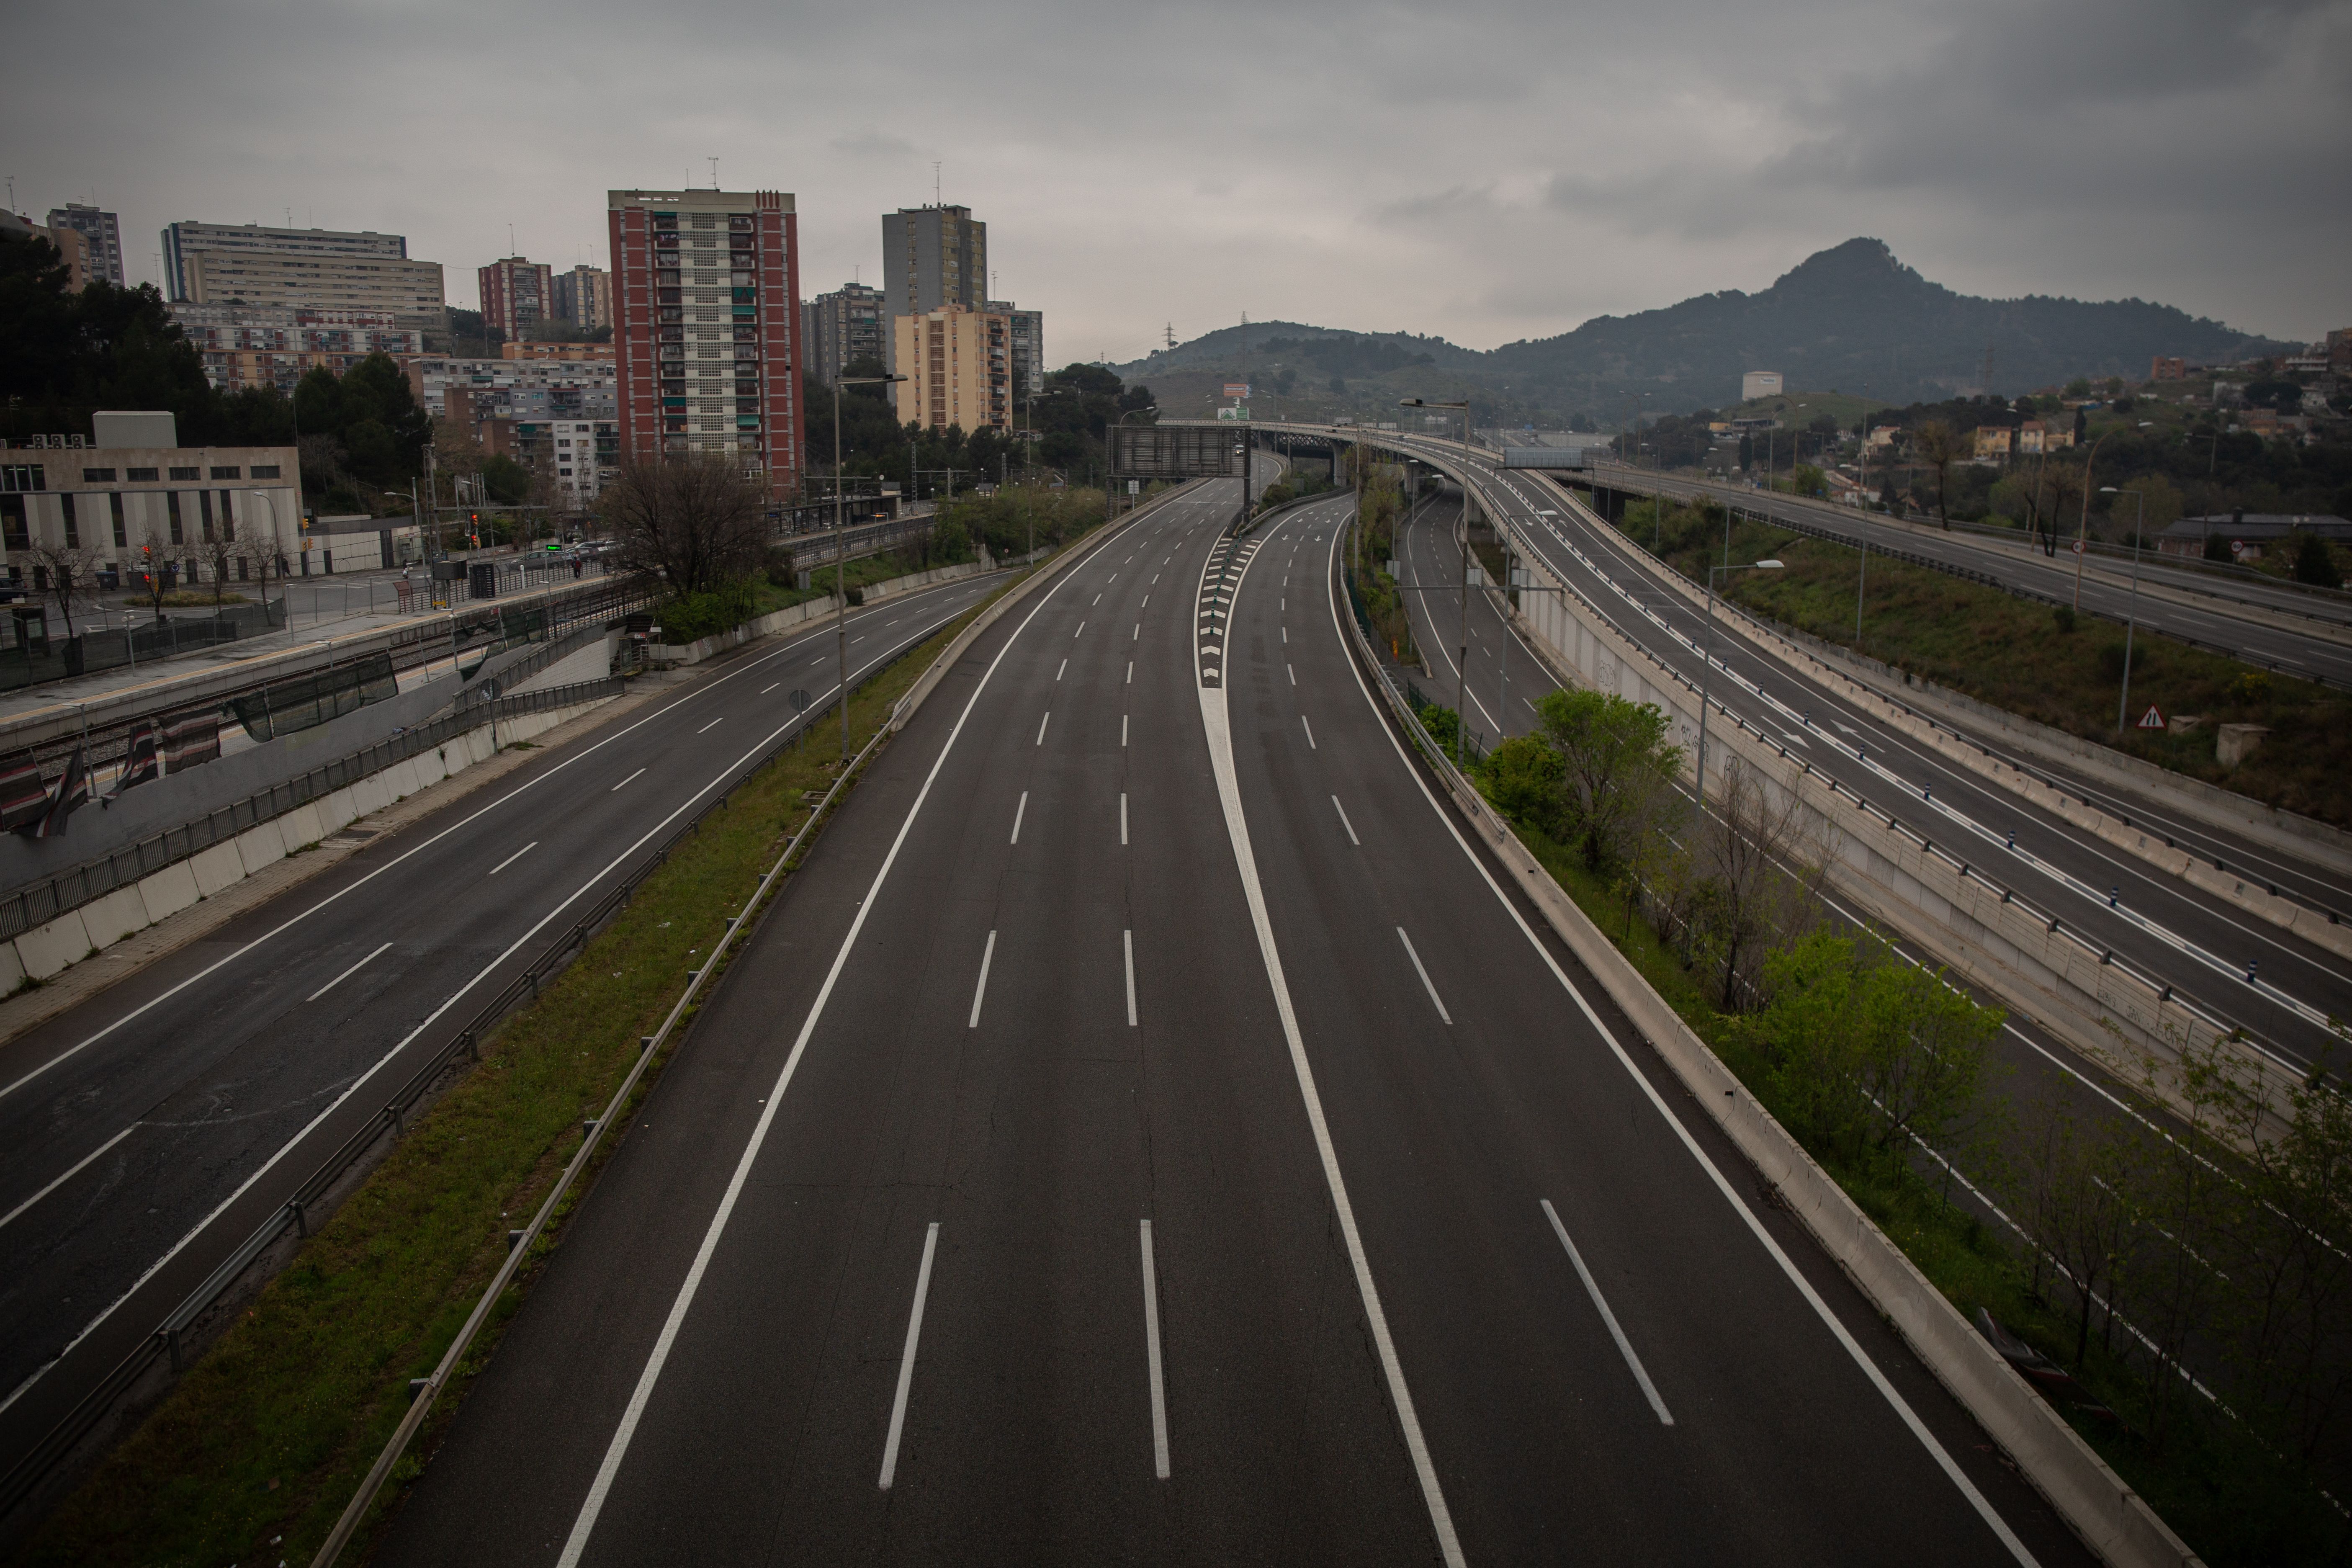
{"x":1151,"y":1356}
{"x":1018,"y":813}
{"x":347,"y":973}
{"x":1345,"y":823}
{"x":1127,"y":939}
{"x":907,"y":1357}
{"x":980,"y":987}
{"x":1040,"y":728}
{"x":512,"y":858}
{"x":713,"y":724}
{"x":1310,"y":733}
{"x":1423,"y":973}
{"x":1624,"y":1345}
{"x":616,"y":787}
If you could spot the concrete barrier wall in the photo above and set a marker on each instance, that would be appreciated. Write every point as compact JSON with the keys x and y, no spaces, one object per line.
{"x":84,"y":933}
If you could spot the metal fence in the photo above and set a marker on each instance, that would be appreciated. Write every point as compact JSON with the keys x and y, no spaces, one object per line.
{"x":90,"y":652}
{"x":37,"y":903}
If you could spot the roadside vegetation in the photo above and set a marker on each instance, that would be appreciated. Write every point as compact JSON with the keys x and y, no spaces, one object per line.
{"x":2028,"y":659}
{"x":256,"y":1452}
{"x":2162,"y":1249}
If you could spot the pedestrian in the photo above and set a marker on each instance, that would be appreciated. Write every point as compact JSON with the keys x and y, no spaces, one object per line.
{"x":576,"y":569}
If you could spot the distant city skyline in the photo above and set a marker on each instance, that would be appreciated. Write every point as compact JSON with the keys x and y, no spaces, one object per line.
{"x":1420,"y":177}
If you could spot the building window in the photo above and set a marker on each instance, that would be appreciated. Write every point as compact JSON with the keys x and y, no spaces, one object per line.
{"x":204,"y":507}
{"x":140,"y":475}
{"x":228,"y":517}
{"x":172,"y":505}
{"x":121,"y":531}
{"x":225,"y":473}
{"x":73,"y":523}
{"x":98,"y":475}
{"x":13,"y":533}
{"x":23,"y":477}
{"x":188,"y":473}
{"x":264,"y":471}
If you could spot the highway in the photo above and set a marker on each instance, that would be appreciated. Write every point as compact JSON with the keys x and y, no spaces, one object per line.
{"x":2294,"y":632}
{"x":2237,"y":969}
{"x":146,"y":1132}
{"x":1144,"y":1130}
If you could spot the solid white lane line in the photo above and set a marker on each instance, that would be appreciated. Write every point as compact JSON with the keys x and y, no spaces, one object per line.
{"x":617,"y":788}
{"x":1804,"y":1286}
{"x":1058,"y":674}
{"x":1423,"y":973}
{"x":583,"y":1525}
{"x":1310,"y":733}
{"x":1122,"y":729}
{"x":1345,"y":823}
{"x":980,"y":987}
{"x":1040,"y":728}
{"x":1151,"y":1355}
{"x":1127,"y":939}
{"x":1018,"y":813}
{"x":713,"y":724}
{"x":78,"y":1167}
{"x":1215,"y":720}
{"x":346,"y":974}
{"x":512,"y":858}
{"x":907,"y":1357}
{"x":1294,"y":675}
{"x":1592,"y":1289}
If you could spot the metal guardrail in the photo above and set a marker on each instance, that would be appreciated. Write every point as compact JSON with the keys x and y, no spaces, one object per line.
{"x":37,"y":903}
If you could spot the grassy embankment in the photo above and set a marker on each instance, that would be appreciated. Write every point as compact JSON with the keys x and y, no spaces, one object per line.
{"x":2022,"y":657}
{"x":255,"y":1453}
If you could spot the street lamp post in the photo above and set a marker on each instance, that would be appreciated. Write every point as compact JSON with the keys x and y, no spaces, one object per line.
{"x":283,"y":597}
{"x":2131,"y":622}
{"x":1111,"y":457}
{"x":1462,"y":665}
{"x":840,"y":545}
{"x":1707,"y":666}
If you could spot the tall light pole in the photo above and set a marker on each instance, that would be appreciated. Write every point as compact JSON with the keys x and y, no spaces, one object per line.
{"x":283,"y":598}
{"x":1460,"y":665}
{"x":1706,"y":668}
{"x":1111,"y":456}
{"x":2131,"y":622}
{"x":840,"y":544}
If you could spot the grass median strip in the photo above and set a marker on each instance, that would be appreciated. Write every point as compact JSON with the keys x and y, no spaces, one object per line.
{"x":255,"y":1453}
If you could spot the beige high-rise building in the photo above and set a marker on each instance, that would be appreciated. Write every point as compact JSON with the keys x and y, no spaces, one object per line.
{"x":958,"y":366}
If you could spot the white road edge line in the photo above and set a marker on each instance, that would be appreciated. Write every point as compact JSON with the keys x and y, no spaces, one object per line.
{"x":1345,"y":823}
{"x":1870,"y":1369}
{"x":1127,"y":939}
{"x":1592,"y":1289}
{"x":79,"y":1165}
{"x":512,"y":858}
{"x":346,"y":974}
{"x":1418,"y":969}
{"x":907,"y":1357}
{"x":1215,"y":720}
{"x":1151,"y":1355}
{"x":1018,"y":813}
{"x":584,"y":1524}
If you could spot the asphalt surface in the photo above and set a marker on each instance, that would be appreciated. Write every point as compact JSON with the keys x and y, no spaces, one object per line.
{"x":2238,"y":970}
{"x":146,"y":1133}
{"x":1128,"y":1138}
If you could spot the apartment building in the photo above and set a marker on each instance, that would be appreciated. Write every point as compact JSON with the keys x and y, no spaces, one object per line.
{"x":844,"y":326}
{"x":303,"y":268}
{"x":585,"y":353}
{"x":516,"y":294}
{"x":932,"y":257}
{"x":133,"y":494}
{"x":523,"y":388}
{"x":102,"y":235}
{"x":706,"y":323}
{"x":584,"y":297}
{"x":958,"y":366}
{"x":242,"y":347}
{"x":1027,"y":331}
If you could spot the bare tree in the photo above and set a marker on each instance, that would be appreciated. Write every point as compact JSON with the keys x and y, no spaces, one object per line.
{"x":698,"y":519}
{"x":1939,"y":447}
{"x":153,"y":567}
{"x":68,"y":568}
{"x":1760,"y":871}
{"x":219,"y":552}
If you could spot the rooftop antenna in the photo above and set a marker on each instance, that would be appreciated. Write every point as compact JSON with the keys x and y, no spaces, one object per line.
{"x":935,"y":182}
{"x":12,"y":193}
{"x":714,"y":172}
{"x":511,"y":239}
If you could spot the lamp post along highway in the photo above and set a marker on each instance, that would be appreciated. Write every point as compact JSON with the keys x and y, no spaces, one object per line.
{"x":1706,"y":668}
{"x":2131,"y":621}
{"x":840,"y":544}
{"x":1110,"y":476}
{"x":1462,"y":664}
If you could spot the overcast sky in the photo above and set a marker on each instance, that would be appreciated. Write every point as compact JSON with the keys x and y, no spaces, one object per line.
{"x":1484,"y":170}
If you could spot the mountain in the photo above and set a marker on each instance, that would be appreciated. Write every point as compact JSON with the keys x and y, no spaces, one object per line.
{"x":1844,"y":318}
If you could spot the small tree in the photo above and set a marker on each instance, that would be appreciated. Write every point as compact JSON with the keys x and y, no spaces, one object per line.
{"x":219,"y":552}
{"x":1937,"y":445}
{"x":68,"y":568}
{"x":153,"y":567}
{"x":1613,"y":761}
{"x":697,"y":519}
{"x":1759,"y":875}
{"x":2314,"y":564}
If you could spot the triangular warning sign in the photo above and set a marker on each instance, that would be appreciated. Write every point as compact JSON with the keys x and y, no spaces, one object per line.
{"x":2151,"y":719}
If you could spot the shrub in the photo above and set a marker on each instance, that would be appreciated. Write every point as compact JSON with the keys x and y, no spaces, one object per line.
{"x":2064,"y":615}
